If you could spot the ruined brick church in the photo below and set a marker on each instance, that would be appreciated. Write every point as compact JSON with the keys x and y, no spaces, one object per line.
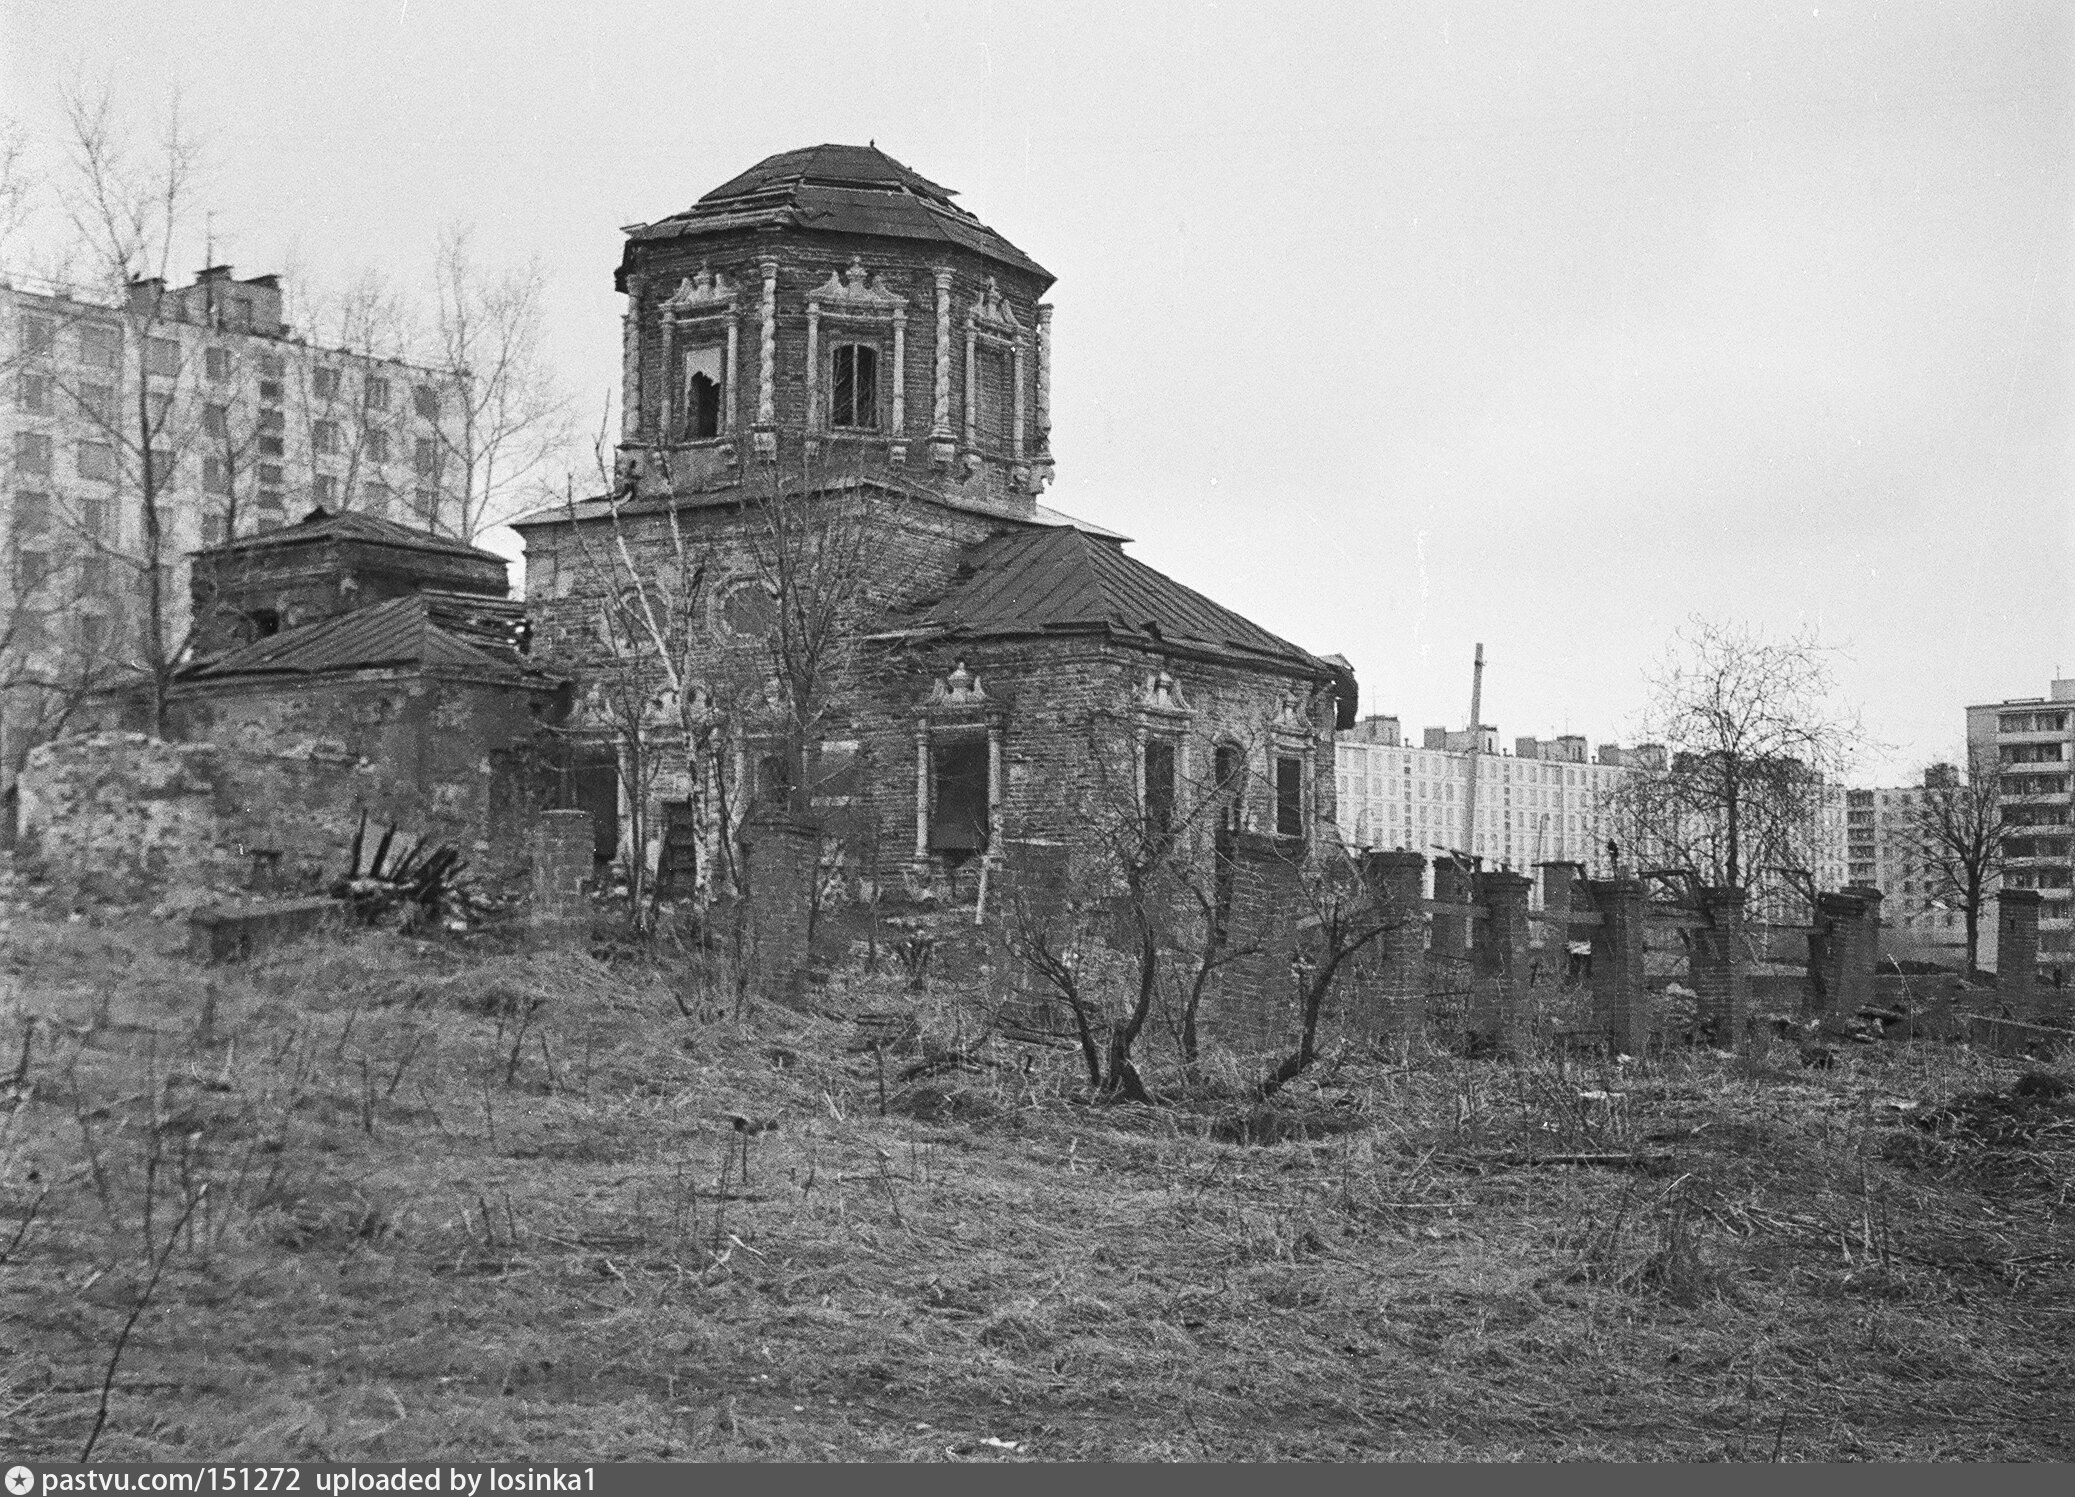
{"x":831,"y":331}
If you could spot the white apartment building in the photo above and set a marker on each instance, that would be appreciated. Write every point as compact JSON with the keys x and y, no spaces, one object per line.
{"x":243,"y":426}
{"x":2031,"y":743}
{"x":1884,"y":848}
{"x":1544,"y":806}
{"x":1545,"y":802}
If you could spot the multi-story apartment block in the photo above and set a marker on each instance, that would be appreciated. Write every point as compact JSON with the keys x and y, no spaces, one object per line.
{"x":2029,"y":743}
{"x":205,"y":397}
{"x":1921,"y":919}
{"x":1545,"y":802}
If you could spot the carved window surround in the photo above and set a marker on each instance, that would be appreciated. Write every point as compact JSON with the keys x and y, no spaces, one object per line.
{"x":990,"y":320}
{"x":958,"y":707}
{"x":1161,"y":712}
{"x":854,"y":297}
{"x":704,"y":302}
{"x":1291,"y":734}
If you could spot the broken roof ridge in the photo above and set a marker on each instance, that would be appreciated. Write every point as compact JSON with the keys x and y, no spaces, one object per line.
{"x":322,"y":524}
{"x":397,"y":631}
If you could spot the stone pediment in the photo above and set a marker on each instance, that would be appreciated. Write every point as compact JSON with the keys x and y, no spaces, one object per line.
{"x":991,"y":309}
{"x":705,"y":291}
{"x":856,"y":291}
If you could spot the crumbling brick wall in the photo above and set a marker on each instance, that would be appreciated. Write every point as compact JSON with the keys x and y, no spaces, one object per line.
{"x":119,"y":815}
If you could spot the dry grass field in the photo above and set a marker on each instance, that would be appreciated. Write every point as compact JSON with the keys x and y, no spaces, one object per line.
{"x":379,"y":1197}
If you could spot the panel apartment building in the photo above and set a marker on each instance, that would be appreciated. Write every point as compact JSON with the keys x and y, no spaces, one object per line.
{"x":1544,"y":802}
{"x":1884,"y":848}
{"x":243,"y":425}
{"x":2031,"y":743}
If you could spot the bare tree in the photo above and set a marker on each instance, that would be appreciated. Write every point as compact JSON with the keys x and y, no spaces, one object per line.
{"x":811,"y":542}
{"x":51,"y":657}
{"x":1958,"y":831}
{"x":128,"y":212}
{"x":642,"y":662}
{"x":1753,"y":737}
{"x":508,"y":433}
{"x":1345,"y":913}
{"x":1143,"y":882}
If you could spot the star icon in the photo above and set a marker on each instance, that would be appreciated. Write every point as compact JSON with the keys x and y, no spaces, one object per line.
{"x":20,"y":1481}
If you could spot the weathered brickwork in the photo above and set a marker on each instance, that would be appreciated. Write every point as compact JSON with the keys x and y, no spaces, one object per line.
{"x":292,"y":771}
{"x":2017,"y":946}
{"x":562,"y":842}
{"x":983,"y":471}
{"x":294,"y":582}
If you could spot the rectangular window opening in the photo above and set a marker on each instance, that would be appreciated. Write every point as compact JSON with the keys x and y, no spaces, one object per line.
{"x":958,"y":802}
{"x":854,"y":387}
{"x":1160,"y":785}
{"x":702,"y":393}
{"x":1289,"y":796}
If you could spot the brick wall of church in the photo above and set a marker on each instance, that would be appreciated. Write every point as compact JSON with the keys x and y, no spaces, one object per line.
{"x":805,"y":263}
{"x":1047,"y":692}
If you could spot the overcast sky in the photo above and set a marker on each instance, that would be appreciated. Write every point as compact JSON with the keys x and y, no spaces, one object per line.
{"x":1395,"y":326}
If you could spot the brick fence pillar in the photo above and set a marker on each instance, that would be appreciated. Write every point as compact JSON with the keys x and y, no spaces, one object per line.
{"x":780,"y":862}
{"x":1499,"y":980}
{"x":1719,"y":969}
{"x":1451,"y":931}
{"x":562,"y":848}
{"x":1865,"y":942}
{"x":1399,"y":879}
{"x":1620,"y":1008}
{"x":1842,"y":950}
{"x":2017,"y":948}
{"x":1255,"y":992}
{"x":1558,"y":881}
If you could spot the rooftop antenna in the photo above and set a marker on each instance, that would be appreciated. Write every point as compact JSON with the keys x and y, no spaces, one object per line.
{"x":1476,"y":748}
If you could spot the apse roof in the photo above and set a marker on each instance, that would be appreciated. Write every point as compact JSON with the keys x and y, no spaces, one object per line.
{"x":839,"y":189}
{"x":1065,"y":581}
{"x":421,"y":630}
{"x":321,"y":524}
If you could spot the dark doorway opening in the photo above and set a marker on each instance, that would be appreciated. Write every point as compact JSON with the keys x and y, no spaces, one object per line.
{"x":595,"y":787}
{"x":677,"y":867}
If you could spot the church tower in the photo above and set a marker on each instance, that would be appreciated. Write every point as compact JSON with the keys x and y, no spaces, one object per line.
{"x":832,"y":308}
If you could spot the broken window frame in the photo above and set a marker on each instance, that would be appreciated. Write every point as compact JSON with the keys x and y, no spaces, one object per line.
{"x":727,"y":617}
{"x":840,"y":786}
{"x":702,"y":391}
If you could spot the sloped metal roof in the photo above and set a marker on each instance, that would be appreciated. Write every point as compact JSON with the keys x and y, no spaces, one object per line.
{"x":840,"y":189}
{"x":321,"y":524}
{"x":602,"y":506}
{"x":424,"y":630}
{"x":1065,"y":581}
